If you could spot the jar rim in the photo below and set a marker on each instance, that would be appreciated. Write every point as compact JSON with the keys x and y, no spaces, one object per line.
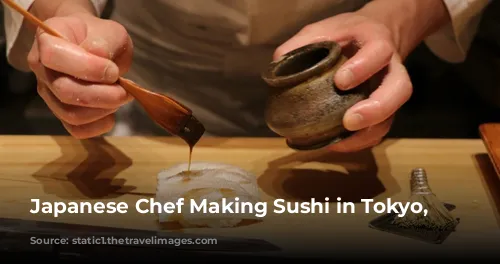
{"x":302,"y":64}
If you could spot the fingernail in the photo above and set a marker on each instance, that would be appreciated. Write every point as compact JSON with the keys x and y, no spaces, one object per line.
{"x":344,"y":78}
{"x":111,"y":72}
{"x":353,"y":122}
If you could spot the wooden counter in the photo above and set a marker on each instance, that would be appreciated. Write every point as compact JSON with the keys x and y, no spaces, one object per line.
{"x":125,"y":169}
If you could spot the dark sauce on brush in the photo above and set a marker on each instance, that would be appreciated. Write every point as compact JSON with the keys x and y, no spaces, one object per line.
{"x":191,"y":134}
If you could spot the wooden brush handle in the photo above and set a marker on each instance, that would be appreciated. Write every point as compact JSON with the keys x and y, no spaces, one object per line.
{"x":128,"y":85}
{"x":137,"y":92}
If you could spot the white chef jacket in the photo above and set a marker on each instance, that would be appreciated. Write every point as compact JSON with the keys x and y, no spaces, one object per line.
{"x":208,"y":54}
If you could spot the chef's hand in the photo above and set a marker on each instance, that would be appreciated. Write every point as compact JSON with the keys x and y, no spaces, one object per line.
{"x":372,"y":117}
{"x":76,"y":75}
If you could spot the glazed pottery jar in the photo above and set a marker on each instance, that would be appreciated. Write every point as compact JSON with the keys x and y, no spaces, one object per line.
{"x":304,"y":106}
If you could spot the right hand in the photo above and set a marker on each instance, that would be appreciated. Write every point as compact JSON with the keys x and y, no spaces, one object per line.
{"x":76,"y":76}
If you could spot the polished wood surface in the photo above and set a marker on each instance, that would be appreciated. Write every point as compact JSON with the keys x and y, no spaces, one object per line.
{"x":125,"y":169}
{"x":490,"y":134}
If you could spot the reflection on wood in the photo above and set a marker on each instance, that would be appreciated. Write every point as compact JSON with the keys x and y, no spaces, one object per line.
{"x":85,"y":169}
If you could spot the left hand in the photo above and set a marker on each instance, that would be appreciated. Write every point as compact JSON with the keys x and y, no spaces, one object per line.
{"x":371,"y":118}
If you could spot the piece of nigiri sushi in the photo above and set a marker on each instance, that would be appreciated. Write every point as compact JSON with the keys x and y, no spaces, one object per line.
{"x":208,"y":183}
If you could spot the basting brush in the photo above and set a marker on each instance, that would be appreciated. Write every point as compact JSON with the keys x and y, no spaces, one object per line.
{"x":438,"y":217}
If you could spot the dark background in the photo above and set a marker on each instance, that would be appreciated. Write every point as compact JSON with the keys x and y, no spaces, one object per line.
{"x":449,"y":100}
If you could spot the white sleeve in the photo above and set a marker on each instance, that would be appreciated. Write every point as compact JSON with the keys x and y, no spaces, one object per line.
{"x":13,"y":22}
{"x":452,"y":42}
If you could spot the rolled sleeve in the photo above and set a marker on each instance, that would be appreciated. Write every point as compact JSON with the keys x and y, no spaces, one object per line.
{"x":452,"y":42}
{"x":13,"y":22}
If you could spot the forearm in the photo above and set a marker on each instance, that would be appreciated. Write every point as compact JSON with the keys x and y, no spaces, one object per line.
{"x":410,"y":21}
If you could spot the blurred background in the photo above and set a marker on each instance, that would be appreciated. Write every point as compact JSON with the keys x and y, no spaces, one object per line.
{"x":449,"y":100}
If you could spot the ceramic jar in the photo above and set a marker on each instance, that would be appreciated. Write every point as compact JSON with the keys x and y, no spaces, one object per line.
{"x":304,"y":106}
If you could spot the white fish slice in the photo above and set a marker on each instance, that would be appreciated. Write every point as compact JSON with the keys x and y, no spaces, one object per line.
{"x":210,"y":182}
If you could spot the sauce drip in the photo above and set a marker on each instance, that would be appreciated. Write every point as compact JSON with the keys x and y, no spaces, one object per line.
{"x":191,"y":134}
{"x":190,"y":157}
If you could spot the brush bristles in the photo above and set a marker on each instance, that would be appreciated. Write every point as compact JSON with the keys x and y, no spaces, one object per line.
{"x":438,"y":216}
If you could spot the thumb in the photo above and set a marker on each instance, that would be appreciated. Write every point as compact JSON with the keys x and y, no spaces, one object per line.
{"x":71,"y":29}
{"x":110,"y":40}
{"x":63,"y":53}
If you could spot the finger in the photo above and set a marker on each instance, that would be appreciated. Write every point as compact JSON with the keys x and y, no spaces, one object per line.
{"x":75,"y":92}
{"x":94,"y":129}
{"x":74,"y":115}
{"x":363,"y":139}
{"x":33,"y":57}
{"x":395,"y":90}
{"x":42,"y":89}
{"x":63,"y":56}
{"x":370,"y":59}
{"x":42,"y":74}
{"x":35,"y":65}
{"x":111,"y":41}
